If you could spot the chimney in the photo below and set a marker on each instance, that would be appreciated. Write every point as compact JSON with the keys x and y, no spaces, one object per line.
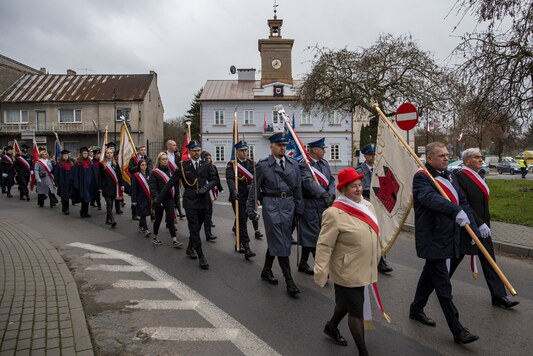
{"x":154,"y":74}
{"x":246,"y":74}
{"x":71,"y":72}
{"x":43,"y":70}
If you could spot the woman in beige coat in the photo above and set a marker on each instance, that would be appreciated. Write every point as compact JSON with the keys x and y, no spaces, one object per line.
{"x":348,"y":251}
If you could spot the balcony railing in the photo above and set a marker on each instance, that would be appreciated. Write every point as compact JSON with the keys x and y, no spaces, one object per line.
{"x":49,"y":127}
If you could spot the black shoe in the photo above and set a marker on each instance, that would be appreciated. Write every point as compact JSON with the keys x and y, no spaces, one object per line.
{"x":503,"y":302}
{"x":155,"y":241}
{"x":99,"y":207}
{"x":464,"y":337}
{"x":211,"y":238}
{"x":113,"y":223}
{"x":9,"y":195}
{"x":66,"y":212}
{"x":248,"y":253}
{"x":190,"y":252}
{"x":422,"y":317}
{"x":175,"y":244}
{"x":203,"y":262}
{"x":182,"y":217}
{"x":52,"y":205}
{"x":135,"y":218}
{"x":27,"y":198}
{"x":267,"y":275}
{"x":291,"y":287}
{"x":120,"y":212}
{"x":294,"y":242}
{"x":304,"y":267}
{"x":241,"y":249}
{"x":258,"y":235}
{"x":383,"y":266}
{"x":92,"y":205}
{"x":335,"y":335}
{"x":212,"y":225}
{"x":22,"y":198}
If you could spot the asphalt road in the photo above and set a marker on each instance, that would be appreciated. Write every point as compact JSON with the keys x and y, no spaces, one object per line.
{"x":294,"y":326}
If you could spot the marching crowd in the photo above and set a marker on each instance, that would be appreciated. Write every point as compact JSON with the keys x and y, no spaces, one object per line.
{"x":335,"y":223}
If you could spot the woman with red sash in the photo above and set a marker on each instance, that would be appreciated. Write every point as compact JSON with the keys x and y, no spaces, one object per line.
{"x":62,"y":173}
{"x":157,"y":181}
{"x":110,"y":184}
{"x":348,"y":250}
{"x":140,"y":195}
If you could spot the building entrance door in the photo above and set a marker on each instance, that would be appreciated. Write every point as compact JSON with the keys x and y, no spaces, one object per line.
{"x":40,"y":120}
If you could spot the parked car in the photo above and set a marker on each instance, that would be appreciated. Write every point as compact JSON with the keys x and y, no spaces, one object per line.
{"x":508,"y":167}
{"x":457,"y":165}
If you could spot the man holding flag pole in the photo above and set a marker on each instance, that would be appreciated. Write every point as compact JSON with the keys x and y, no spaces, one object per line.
{"x":23,"y":167}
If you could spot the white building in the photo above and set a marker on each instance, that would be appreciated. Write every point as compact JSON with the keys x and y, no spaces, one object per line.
{"x":253,"y":102}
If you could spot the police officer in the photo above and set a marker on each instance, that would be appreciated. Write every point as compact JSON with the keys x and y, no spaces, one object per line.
{"x":245,"y":167}
{"x":279,"y":188}
{"x":7,"y":169}
{"x":318,"y":195}
{"x":23,"y":166}
{"x":197,"y":177}
{"x":367,"y":168}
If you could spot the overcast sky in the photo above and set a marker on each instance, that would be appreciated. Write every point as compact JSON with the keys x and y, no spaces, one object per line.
{"x":189,"y":42}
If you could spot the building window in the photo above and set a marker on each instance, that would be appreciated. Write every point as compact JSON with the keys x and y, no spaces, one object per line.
{"x":276,"y":118}
{"x":219,"y":117}
{"x":123,"y":114}
{"x":334,"y":152}
{"x":251,"y":152}
{"x":69,"y":116}
{"x":16,"y":116}
{"x":306,"y":119}
{"x":248,"y":117}
{"x":220,"y":155}
{"x":335,"y":119}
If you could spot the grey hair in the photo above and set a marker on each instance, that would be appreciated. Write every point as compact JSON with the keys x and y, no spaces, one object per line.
{"x":469,"y":152}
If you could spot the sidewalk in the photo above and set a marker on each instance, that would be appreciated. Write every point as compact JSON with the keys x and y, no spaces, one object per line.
{"x":511,"y":238}
{"x":40,"y":308}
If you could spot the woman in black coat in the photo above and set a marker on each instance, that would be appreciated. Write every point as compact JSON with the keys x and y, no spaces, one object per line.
{"x":140,"y":195}
{"x":110,"y":183}
{"x":62,"y":173}
{"x":158,"y":178}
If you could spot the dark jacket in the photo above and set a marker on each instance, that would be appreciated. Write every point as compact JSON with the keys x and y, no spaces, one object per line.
{"x":436,"y":232}
{"x":157,"y":184}
{"x":106,"y":183}
{"x":84,"y":177}
{"x":62,"y":174}
{"x":244,"y":184}
{"x":132,"y":167}
{"x":7,"y":167}
{"x":138,"y":195}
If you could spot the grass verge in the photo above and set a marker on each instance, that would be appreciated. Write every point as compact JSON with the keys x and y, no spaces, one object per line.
{"x":511,"y":201}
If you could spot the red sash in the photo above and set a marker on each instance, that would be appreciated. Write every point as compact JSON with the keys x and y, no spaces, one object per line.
{"x":246,"y":173}
{"x":9,"y":159}
{"x":213,"y":194}
{"x":42,"y":164}
{"x":446,"y":186}
{"x":24,"y":162}
{"x":475,"y":177}
{"x":165,"y":178}
{"x":144,"y":185}
{"x":320,"y":177}
{"x":170,"y":164}
{"x":113,"y":176}
{"x":359,"y":211}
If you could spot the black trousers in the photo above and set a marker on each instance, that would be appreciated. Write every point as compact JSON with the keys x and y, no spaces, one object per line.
{"x":177,"y":202}
{"x":22,"y":181}
{"x":243,"y":222}
{"x":208,"y":219}
{"x":97,"y":199}
{"x":168,"y":209}
{"x":64,"y":205}
{"x":435,"y":276}
{"x":195,"y":219}
{"x":142,"y":222}
{"x":109,"y":208}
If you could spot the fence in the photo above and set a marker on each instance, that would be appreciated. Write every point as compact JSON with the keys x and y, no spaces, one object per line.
{"x":154,"y":147}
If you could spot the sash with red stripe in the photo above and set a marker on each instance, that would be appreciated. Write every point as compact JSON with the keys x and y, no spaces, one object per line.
{"x":165,"y":178}
{"x":476,"y":178}
{"x":321,"y":177}
{"x":45,"y":166}
{"x":24,"y":162}
{"x":246,"y":173}
{"x":446,"y":186}
{"x":213,"y":194}
{"x":359,"y":211}
{"x":9,"y":159}
{"x":113,"y":175}
{"x":144,"y":185}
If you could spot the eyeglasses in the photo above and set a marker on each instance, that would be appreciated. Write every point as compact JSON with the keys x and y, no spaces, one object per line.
{"x":280,"y":144}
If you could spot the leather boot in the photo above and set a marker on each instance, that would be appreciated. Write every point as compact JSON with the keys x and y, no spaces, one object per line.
{"x":248,"y":253}
{"x":190,"y":252}
{"x":202,"y":259}
{"x":267,"y":274}
{"x":292,"y":289}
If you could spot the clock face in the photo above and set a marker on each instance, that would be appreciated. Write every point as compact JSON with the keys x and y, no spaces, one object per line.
{"x":276,"y":63}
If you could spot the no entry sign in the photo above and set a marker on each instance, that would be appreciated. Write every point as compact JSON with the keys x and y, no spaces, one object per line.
{"x":406,"y":116}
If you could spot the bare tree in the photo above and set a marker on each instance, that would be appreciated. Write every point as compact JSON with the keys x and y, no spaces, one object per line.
{"x":499,"y":58}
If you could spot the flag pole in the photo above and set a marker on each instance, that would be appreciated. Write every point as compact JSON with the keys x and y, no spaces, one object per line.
{"x":235,"y":171}
{"x":467,"y":227}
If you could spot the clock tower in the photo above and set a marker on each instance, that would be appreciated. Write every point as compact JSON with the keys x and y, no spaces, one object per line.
{"x":275,"y":55}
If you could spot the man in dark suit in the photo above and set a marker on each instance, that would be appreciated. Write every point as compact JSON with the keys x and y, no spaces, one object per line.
{"x":198,"y":177}
{"x":477,"y":194}
{"x":437,"y":225}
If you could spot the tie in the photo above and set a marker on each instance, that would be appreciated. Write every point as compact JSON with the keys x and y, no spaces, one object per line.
{"x":195,"y":166}
{"x":281,"y":164}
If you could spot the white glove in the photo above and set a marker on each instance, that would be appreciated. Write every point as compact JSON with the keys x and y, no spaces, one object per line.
{"x":4,"y":175}
{"x":462,"y":218}
{"x":133,"y":203}
{"x":484,"y":230}
{"x":38,"y":181}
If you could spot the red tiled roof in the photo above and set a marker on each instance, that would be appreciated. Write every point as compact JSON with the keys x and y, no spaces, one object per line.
{"x":76,"y":88}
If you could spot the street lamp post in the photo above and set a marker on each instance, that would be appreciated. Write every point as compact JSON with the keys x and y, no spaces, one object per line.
{"x":115,"y":116}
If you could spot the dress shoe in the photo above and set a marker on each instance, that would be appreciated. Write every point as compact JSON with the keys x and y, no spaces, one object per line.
{"x":66,"y":212}
{"x":503,"y":302}
{"x":241,"y":249}
{"x":383,"y":266}
{"x":465,"y":337}
{"x":422,"y":317}
{"x":113,"y":224}
{"x":335,"y":334}
{"x":294,"y":242}
{"x":203,"y":262}
{"x":291,"y":287}
{"x":27,"y":198}
{"x":135,"y":218}
{"x":258,"y":235}
{"x":211,"y":238}
{"x":120,"y":212}
{"x":9,"y":195}
{"x":22,"y":198}
{"x":248,"y":253}
{"x":267,"y":275}
{"x":304,"y":267}
{"x":190,"y":252}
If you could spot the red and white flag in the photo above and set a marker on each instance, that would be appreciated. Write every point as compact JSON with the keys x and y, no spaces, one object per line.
{"x":460,"y":137}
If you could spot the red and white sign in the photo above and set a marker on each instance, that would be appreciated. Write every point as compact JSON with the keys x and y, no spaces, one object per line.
{"x":406,"y":116}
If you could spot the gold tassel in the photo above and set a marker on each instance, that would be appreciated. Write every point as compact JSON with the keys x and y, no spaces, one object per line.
{"x":389,"y":320}
{"x":474,"y":274}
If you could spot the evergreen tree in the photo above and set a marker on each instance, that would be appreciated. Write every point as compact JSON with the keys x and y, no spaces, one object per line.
{"x":193,"y":114}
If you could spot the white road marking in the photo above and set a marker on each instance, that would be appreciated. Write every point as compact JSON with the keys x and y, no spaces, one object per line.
{"x":191,"y":334}
{"x":116,"y":268}
{"x":227,"y":327}
{"x":101,"y":256}
{"x":163,"y":304}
